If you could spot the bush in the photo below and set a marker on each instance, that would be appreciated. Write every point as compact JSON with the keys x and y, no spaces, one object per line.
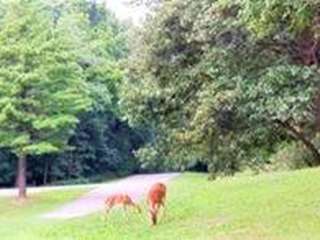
{"x":290,"y":156}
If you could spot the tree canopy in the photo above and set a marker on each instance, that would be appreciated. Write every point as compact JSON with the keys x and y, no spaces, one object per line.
{"x":222,"y":80}
{"x":214,"y":85}
{"x":59,"y":74}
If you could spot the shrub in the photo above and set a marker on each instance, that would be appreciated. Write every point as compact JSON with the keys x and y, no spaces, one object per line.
{"x":290,"y":156}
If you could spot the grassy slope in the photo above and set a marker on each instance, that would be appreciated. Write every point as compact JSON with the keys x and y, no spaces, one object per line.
{"x":276,"y":206}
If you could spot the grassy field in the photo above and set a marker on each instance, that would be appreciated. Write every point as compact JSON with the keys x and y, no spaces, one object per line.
{"x":272,"y":207}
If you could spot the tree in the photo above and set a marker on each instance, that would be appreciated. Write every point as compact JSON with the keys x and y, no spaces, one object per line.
{"x":42,"y":85}
{"x":220,"y":79}
{"x":102,"y":145}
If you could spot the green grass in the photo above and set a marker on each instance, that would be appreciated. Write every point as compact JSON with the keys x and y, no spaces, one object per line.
{"x":19,"y":221}
{"x":279,"y":206}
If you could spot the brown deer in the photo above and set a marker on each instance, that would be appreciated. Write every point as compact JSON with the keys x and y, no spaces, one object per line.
{"x":119,"y":199}
{"x":156,"y":200}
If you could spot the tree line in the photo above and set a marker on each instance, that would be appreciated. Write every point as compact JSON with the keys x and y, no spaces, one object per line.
{"x":59,"y":75}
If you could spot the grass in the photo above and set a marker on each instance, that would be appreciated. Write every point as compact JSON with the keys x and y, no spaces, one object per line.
{"x":269,"y":207}
{"x":20,"y":221}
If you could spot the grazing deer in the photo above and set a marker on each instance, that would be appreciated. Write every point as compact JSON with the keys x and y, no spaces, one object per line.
{"x":119,"y":199}
{"x":156,"y":199}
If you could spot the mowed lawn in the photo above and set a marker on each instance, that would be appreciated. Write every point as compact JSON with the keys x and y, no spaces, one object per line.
{"x":273,"y":206}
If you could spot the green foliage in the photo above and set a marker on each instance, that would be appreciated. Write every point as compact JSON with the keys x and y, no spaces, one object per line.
{"x":268,"y":17}
{"x":102,"y":146}
{"x":215,"y":79}
{"x":64,"y":57}
{"x":290,"y":156}
{"x":42,"y":86}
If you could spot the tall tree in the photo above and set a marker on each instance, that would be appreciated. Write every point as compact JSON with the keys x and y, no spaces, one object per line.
{"x":42,"y":85}
{"x":220,"y":79}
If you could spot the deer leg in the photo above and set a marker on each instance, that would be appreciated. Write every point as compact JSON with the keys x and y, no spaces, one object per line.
{"x":163,"y":210}
{"x":152,"y":217}
{"x":138,"y":209}
{"x":136,"y":206}
{"x":155,"y":213}
{"x":125,"y":212}
{"x":106,"y":212}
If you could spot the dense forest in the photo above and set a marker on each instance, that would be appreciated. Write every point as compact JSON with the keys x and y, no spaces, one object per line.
{"x":209,"y":85}
{"x":59,"y":76}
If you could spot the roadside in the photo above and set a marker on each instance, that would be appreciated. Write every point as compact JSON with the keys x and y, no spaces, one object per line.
{"x":136,"y":186}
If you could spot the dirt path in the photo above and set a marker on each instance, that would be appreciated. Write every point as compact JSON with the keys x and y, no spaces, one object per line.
{"x":136,"y":186}
{"x":12,"y":192}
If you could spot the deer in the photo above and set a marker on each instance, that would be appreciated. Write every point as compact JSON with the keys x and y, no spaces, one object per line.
{"x":119,"y":199}
{"x":156,"y":199}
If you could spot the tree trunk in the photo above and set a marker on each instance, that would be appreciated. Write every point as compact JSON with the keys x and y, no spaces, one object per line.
{"x":46,"y":171}
{"x":21,"y":180}
{"x":212,"y":169}
{"x":300,"y":136}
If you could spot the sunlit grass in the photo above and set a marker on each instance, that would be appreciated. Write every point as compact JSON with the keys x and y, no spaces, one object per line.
{"x":274,"y":207}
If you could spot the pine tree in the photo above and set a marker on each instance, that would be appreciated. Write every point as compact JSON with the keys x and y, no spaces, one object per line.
{"x":42,"y":88}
